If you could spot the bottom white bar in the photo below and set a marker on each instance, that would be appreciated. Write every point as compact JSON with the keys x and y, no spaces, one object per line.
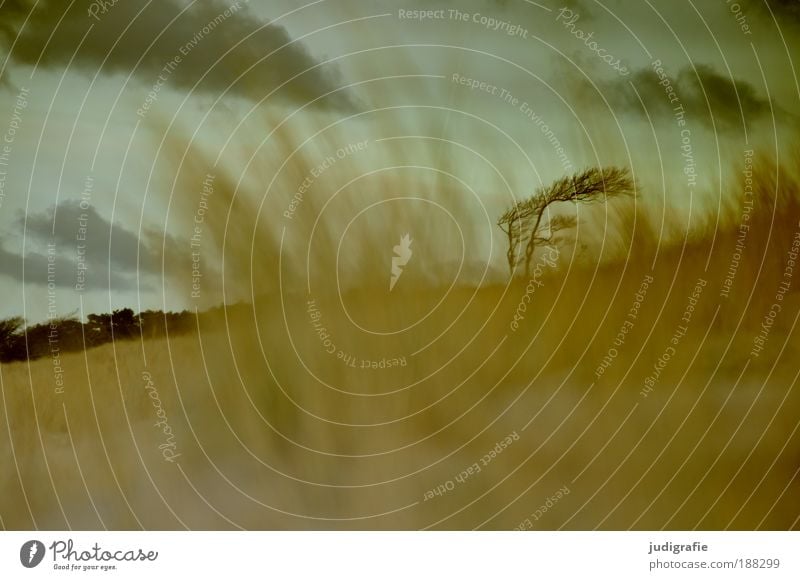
{"x":389,"y":555}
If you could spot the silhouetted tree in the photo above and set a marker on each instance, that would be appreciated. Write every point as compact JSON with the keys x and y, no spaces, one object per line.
{"x":10,"y":327}
{"x":152,"y":323}
{"x":11,"y":346}
{"x":180,"y":322}
{"x":525,"y":224}
{"x":37,"y":339}
{"x":68,"y":334}
{"x":98,"y":329}
{"x":125,"y":323}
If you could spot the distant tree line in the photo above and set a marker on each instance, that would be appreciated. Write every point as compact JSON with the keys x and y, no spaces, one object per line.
{"x":19,"y":342}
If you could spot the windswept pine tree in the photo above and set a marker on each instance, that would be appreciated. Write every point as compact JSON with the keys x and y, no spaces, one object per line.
{"x":529,"y":222}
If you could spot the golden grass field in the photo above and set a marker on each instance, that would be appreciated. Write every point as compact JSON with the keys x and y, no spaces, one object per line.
{"x":269,"y":430}
{"x":263,"y":444}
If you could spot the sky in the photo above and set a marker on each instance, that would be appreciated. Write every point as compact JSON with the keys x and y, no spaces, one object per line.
{"x":130,"y":127}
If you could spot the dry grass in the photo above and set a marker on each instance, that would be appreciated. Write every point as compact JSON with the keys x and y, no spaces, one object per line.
{"x":274,"y":432}
{"x":257,"y":439}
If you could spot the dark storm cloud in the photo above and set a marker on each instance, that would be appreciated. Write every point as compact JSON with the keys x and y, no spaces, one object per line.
{"x":105,"y":251}
{"x":205,"y":31}
{"x":784,"y":10}
{"x":728,"y":99}
{"x":707,"y":96}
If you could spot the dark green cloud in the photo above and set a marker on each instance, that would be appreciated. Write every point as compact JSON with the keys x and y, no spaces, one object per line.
{"x":707,"y":96}
{"x":48,"y":36}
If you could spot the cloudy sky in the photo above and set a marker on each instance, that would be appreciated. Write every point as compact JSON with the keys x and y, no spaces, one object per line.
{"x":112,"y":119}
